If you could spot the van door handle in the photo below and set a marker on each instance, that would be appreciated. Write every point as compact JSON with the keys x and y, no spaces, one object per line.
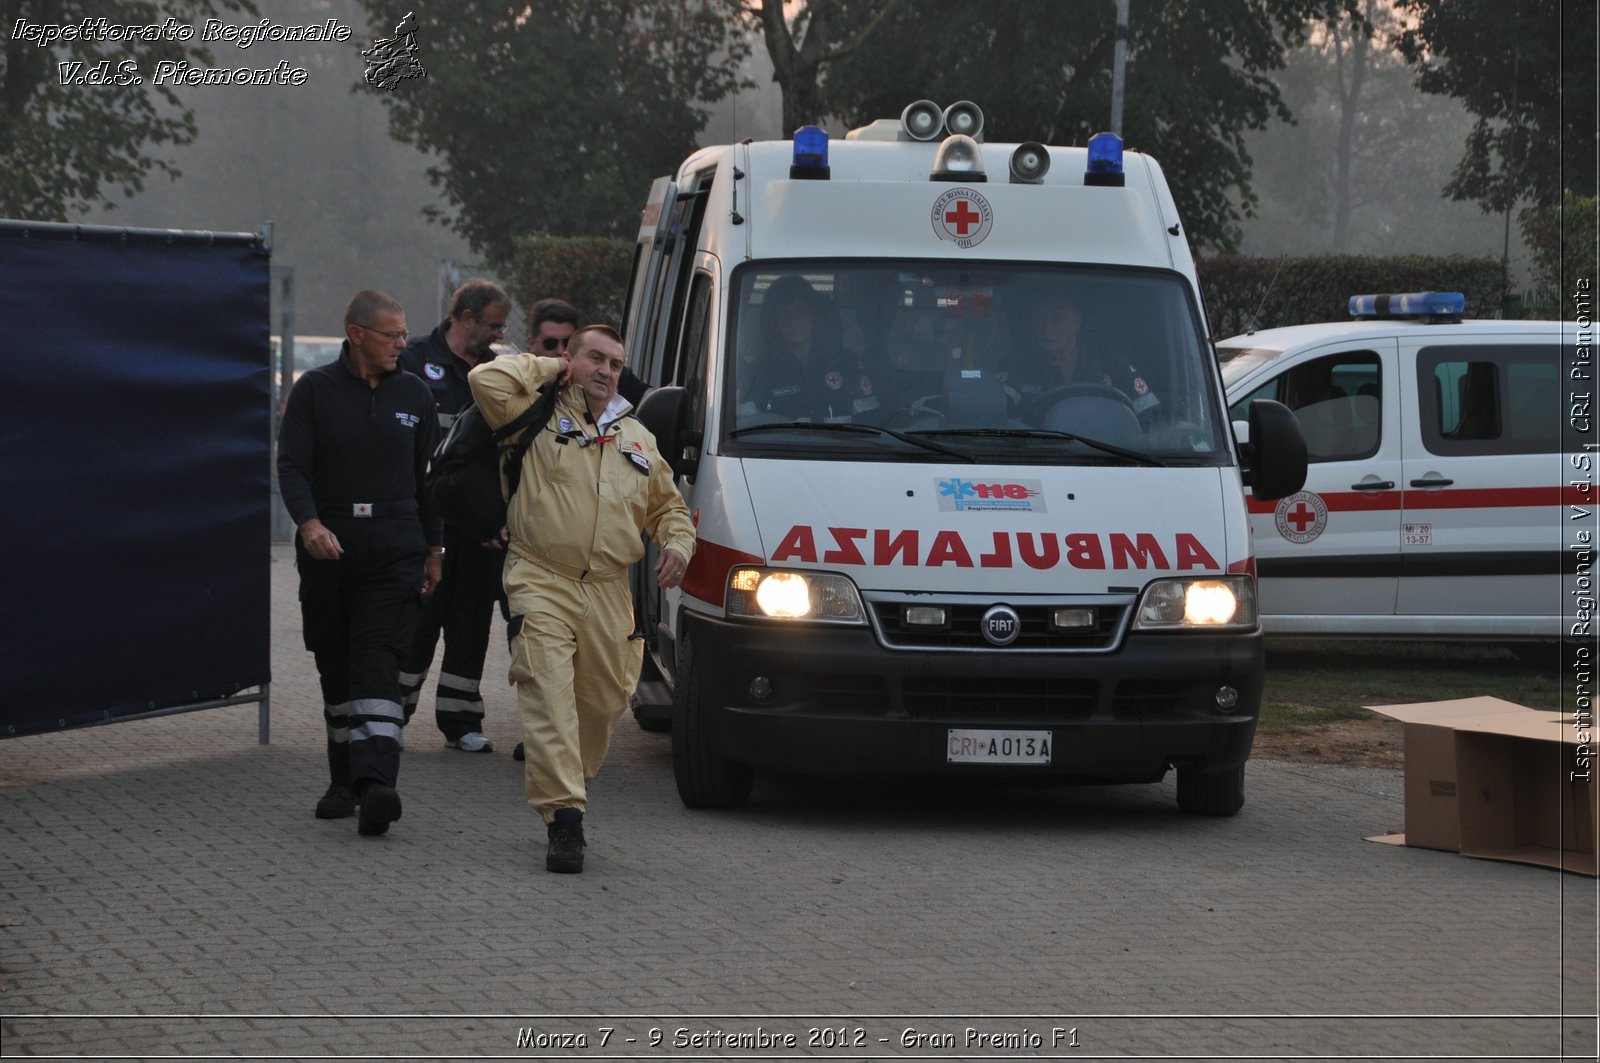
{"x":1373,"y":485}
{"x":1432,"y":481}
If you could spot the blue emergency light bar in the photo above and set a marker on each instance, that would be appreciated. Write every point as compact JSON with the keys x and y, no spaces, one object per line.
{"x":1435,"y":306}
{"x":810,"y":161}
{"x":1105,"y":161}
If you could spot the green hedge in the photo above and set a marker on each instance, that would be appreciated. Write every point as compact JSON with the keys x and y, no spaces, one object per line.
{"x":1242,"y":293}
{"x":1562,"y":243}
{"x":590,"y":272}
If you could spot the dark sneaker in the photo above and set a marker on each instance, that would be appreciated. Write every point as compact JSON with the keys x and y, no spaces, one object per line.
{"x":564,"y":855}
{"x":380,"y":806}
{"x":518,"y":754}
{"x":337,"y":803}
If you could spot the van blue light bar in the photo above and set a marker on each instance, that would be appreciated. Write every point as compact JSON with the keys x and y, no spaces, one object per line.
{"x":810,"y":161}
{"x":1436,"y":306}
{"x":1105,"y":161}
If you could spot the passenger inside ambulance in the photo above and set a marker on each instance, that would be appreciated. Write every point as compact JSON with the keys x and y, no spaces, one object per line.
{"x":1068,"y":379}
{"x":797,"y":370}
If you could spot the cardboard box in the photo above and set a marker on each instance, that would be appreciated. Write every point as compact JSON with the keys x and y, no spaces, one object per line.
{"x":1497,"y":781}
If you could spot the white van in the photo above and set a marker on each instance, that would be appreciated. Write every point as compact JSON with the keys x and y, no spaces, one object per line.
{"x":919,"y":552}
{"x":1438,"y":449}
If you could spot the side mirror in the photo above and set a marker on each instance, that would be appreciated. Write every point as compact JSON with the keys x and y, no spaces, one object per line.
{"x":662,"y":411}
{"x":1274,"y":451}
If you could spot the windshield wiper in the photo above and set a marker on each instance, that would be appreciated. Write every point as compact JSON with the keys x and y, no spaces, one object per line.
{"x":1049,"y":433}
{"x":841,"y":426}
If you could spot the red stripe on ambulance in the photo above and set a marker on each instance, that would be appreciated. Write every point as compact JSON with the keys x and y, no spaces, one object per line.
{"x":882,"y":547}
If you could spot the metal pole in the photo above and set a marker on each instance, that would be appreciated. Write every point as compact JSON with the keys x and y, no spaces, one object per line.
{"x":1119,"y":63}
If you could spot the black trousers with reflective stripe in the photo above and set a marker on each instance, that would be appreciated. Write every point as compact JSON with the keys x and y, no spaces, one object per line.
{"x":463,"y":610}
{"x":359,"y":613}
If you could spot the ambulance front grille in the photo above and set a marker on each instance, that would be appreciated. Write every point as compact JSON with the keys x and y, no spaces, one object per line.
{"x":965,"y":630}
{"x":988,"y":698}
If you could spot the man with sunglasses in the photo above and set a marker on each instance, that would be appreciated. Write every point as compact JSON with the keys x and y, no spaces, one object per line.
{"x":463,"y":607}
{"x":354,"y":447}
{"x":552,"y":323}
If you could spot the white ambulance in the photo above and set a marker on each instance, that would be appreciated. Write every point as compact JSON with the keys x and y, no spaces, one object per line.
{"x":1441,"y":456}
{"x":967,"y":496}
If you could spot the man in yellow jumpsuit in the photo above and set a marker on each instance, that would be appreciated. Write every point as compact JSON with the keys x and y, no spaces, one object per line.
{"x":590,"y":483}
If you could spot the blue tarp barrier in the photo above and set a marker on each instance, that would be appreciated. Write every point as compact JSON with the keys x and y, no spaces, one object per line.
{"x":135,"y":462}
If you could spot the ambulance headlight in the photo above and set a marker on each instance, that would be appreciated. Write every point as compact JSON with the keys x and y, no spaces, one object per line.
{"x":784,"y":594}
{"x":1210,"y":603}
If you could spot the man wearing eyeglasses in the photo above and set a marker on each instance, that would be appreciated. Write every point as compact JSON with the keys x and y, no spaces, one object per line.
{"x":463,"y":607}
{"x":356,"y":437}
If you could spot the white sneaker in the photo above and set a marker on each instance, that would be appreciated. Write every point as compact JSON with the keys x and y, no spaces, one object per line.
{"x":471,"y":742}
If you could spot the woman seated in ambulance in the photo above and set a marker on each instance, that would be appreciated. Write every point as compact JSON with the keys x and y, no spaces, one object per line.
{"x":1060,"y":370}
{"x":797,"y":371}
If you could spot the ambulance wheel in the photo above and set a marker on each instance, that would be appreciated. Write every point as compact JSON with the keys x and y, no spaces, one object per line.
{"x":705,"y":779}
{"x":1034,"y":410}
{"x":1210,"y":793}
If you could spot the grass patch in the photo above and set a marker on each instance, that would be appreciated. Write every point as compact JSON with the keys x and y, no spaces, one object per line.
{"x":1311,"y":682}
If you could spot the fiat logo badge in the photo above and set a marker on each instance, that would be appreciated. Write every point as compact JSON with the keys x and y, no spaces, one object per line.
{"x":1001,"y":625}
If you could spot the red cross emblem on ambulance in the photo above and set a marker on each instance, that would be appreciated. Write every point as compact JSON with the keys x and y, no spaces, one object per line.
{"x":963,"y":216}
{"x":1301,"y":517}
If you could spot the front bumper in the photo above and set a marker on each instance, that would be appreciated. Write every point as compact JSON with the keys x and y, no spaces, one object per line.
{"x":841,"y":703}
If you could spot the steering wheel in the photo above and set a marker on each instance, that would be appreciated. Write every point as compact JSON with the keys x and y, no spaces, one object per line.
{"x":1034,"y":409}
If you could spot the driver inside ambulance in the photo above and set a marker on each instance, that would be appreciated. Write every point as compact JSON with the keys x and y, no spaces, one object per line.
{"x":798,"y":370}
{"x":1059,"y":358}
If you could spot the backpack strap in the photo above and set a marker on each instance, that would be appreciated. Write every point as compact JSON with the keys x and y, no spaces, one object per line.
{"x":532,"y":422}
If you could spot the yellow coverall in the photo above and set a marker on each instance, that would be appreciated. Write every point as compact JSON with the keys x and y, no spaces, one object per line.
{"x":574,"y":525}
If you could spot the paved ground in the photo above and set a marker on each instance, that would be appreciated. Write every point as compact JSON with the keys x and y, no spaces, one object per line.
{"x":165,"y":892}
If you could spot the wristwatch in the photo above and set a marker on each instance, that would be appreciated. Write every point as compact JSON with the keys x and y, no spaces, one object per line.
{"x":436,"y":551}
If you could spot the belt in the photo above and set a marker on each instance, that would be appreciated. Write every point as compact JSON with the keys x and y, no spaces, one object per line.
{"x":581,"y":575}
{"x":369,"y":509}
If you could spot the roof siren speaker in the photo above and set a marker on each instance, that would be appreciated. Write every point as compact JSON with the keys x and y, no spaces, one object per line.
{"x":1029,"y":163}
{"x":922,"y":120}
{"x":966,"y":118}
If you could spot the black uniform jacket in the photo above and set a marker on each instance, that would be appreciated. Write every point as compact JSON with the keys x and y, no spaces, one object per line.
{"x":343,"y":442}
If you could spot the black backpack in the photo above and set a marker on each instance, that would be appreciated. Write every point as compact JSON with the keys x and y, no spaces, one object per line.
{"x":464,"y":473}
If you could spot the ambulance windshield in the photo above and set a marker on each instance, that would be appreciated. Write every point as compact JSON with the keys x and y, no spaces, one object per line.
{"x":1024,"y":363}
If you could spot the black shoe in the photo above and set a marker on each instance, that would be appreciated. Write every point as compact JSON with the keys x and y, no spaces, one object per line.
{"x":380,"y":806}
{"x":564,"y":855}
{"x":517,"y":754}
{"x":337,"y":803}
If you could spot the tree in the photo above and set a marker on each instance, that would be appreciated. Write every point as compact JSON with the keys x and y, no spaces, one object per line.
{"x":1360,"y":168}
{"x":552,"y":118}
{"x":1198,"y":76}
{"x":1526,"y":70}
{"x":64,"y":143}
{"x":800,"y":48}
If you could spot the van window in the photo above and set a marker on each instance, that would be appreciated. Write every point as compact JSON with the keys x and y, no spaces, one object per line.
{"x":1000,"y":361}
{"x":1490,"y":400}
{"x":1338,"y":399}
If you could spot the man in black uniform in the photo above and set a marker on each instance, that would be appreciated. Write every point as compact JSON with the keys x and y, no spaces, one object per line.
{"x":464,"y":607}
{"x":354,"y":446}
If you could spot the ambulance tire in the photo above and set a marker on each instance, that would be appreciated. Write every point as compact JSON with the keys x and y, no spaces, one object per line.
{"x":705,"y":779}
{"x":1210,"y":793}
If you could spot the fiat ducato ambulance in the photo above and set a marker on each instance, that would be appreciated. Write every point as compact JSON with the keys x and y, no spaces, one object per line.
{"x":967,"y":496}
{"x":1444,"y":458}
